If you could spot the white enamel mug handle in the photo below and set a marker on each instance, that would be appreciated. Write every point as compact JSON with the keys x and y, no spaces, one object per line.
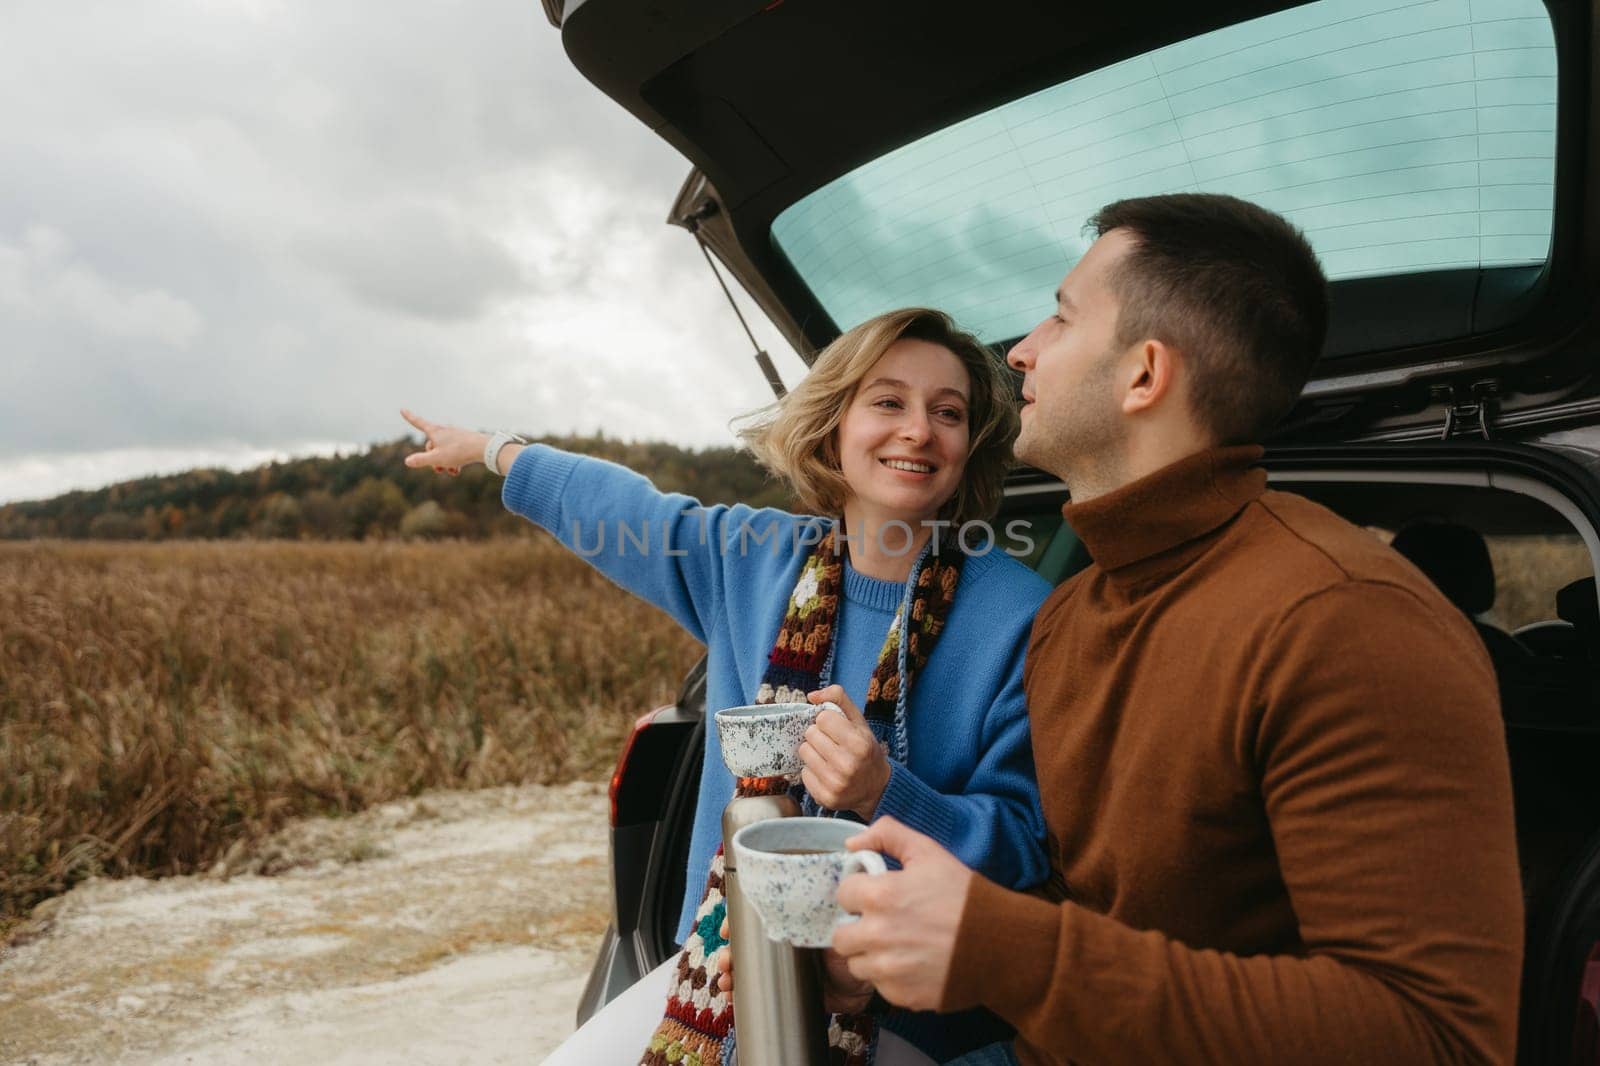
{"x":829,"y":705}
{"x":859,"y":862}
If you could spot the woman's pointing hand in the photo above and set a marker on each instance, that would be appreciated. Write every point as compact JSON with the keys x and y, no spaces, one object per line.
{"x":447,"y":449}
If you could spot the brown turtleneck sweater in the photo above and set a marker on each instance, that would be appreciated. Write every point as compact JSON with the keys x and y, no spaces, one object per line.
{"x":1274,"y":771}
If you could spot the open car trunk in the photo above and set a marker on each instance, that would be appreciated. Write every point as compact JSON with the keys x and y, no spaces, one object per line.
{"x":851,"y":157}
{"x":1463,"y":256}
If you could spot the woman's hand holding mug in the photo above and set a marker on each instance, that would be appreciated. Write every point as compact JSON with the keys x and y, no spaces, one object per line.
{"x":845,"y":768}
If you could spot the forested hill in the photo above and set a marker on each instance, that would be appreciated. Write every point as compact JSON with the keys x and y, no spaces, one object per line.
{"x":367,"y":495}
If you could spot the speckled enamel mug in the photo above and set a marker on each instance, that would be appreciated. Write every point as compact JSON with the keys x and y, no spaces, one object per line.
{"x":763,"y":739}
{"x":790,"y":868}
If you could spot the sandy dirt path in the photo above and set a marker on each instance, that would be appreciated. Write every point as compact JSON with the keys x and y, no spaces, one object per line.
{"x":457,"y":927}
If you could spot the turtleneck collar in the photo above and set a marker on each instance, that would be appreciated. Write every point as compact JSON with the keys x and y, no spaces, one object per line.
{"x":1175,"y":505}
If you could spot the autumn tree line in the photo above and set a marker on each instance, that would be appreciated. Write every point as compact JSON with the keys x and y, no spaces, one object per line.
{"x":361,"y":496}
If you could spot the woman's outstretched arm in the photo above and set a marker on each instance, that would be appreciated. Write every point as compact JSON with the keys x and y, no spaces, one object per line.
{"x":666,"y":548}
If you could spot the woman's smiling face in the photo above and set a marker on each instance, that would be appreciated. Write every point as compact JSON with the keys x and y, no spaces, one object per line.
{"x":902,"y":442}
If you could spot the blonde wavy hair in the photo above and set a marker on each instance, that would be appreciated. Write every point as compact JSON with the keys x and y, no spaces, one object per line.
{"x":796,"y":438}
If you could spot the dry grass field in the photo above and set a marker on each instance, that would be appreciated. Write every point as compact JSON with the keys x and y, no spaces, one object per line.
{"x":163,"y":703}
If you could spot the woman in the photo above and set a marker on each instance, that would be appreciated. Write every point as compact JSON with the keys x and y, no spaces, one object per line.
{"x":899,"y":435}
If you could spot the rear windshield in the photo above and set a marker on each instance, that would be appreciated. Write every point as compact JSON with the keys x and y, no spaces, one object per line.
{"x":1402,"y":138}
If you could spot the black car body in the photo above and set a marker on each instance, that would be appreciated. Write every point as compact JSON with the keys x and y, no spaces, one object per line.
{"x":1458,"y":386}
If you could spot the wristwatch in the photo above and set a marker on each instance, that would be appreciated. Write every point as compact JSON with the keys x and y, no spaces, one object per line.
{"x":499,"y":439}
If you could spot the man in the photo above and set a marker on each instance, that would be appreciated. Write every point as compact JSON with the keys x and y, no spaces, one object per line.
{"x":1270,"y":753}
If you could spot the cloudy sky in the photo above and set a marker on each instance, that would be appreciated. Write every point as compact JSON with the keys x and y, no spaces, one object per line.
{"x":238,"y":229}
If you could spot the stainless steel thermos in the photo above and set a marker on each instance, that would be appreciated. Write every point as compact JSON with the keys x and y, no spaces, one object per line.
{"x":777,"y":1000}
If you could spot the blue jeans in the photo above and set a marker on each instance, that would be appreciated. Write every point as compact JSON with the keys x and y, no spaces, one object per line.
{"x":993,"y":1055}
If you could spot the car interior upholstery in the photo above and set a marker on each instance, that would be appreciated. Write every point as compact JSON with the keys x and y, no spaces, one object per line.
{"x":1456,"y":559}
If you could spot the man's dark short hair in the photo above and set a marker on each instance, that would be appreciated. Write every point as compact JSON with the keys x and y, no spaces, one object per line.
{"x":1233,"y":286}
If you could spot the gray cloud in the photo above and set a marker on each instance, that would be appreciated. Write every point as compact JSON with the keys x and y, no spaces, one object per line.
{"x":416,"y":259}
{"x":249,"y":227}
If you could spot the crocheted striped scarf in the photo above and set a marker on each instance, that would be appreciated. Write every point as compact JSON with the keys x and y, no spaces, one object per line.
{"x":697,"y":1029}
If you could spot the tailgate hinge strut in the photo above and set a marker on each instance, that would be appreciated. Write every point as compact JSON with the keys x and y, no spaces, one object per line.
{"x":763,"y":360}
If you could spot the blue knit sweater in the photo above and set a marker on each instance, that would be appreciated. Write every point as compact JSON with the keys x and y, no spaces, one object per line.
{"x":725,"y":574}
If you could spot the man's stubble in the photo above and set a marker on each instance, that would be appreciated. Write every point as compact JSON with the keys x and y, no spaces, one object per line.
{"x":1082,"y":439}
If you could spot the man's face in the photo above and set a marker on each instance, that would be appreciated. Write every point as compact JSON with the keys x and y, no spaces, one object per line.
{"x":1071,"y":414}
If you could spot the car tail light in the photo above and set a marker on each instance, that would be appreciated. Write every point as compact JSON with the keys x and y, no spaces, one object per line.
{"x":621,"y":771}
{"x":1586,"y":1029}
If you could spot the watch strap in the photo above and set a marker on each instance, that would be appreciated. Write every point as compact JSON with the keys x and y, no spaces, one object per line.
{"x":497,"y":440}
